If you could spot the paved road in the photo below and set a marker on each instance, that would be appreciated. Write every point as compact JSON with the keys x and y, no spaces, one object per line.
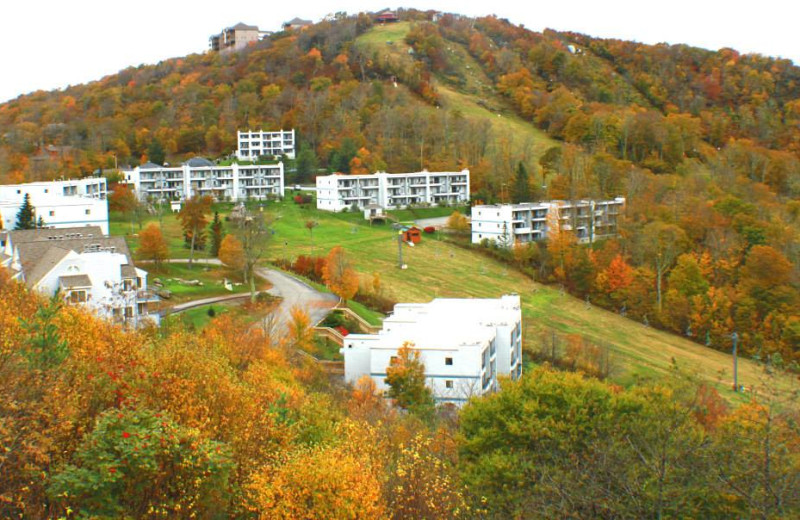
{"x":296,"y":293}
{"x":292,"y":291}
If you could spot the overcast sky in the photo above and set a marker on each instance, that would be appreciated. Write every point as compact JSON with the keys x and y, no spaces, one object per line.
{"x":50,"y":44}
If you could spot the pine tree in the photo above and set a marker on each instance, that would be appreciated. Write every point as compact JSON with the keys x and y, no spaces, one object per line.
{"x":216,"y":234}
{"x":25,"y":217}
{"x":522,"y":189}
{"x":155,"y":152}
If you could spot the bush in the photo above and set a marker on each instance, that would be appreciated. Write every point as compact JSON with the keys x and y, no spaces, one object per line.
{"x":211,"y":312}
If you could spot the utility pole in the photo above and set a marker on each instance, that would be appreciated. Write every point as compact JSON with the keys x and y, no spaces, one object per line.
{"x":735,"y":338}
{"x":400,"y":249}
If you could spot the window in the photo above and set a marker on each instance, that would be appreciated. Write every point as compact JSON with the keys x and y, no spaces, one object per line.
{"x":448,"y":361}
{"x":46,"y":190}
{"x":52,"y":213}
{"x":129,"y":312}
{"x":448,"y":383}
{"x":88,"y":212}
{"x":77,"y":296}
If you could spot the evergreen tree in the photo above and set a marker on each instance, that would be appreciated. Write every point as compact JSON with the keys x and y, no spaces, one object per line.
{"x":521,"y":190}
{"x":216,"y":234}
{"x":25,"y":216}
{"x":306,"y":165}
{"x":40,"y":224}
{"x":155,"y":152}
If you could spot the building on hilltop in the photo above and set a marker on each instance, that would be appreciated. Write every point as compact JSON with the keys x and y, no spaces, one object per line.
{"x":253,"y":145}
{"x":465,"y":344}
{"x":510,"y":224}
{"x":338,"y":192}
{"x":199,"y":176}
{"x":82,"y":266}
{"x":234,"y":38}
{"x":60,"y":204}
{"x":386,"y":16}
{"x":296,"y":23}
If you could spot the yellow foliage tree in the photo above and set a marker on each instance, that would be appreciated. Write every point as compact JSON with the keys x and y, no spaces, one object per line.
{"x":334,"y":482}
{"x":231,"y":253}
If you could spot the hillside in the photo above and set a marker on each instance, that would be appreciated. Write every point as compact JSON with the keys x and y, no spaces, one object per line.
{"x":238,"y":421}
{"x":703,"y":145}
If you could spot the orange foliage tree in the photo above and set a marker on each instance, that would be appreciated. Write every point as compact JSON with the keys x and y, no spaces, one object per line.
{"x":152,"y":245}
{"x":339,"y":276}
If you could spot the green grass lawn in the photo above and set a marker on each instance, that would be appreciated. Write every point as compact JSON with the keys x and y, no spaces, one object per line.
{"x":211,"y":277}
{"x":440,"y":269}
{"x":199,"y":317}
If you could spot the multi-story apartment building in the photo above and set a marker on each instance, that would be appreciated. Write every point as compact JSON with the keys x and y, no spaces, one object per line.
{"x":60,"y":204}
{"x":465,"y":344}
{"x":509,"y":224}
{"x":253,"y":145}
{"x":392,"y":190}
{"x":200,"y":176}
{"x":234,"y":38}
{"x":84,"y":267}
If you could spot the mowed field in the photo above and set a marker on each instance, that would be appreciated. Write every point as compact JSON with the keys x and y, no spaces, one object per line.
{"x":440,"y":269}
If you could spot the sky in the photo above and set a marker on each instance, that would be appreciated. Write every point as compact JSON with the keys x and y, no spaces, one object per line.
{"x":51,"y":44}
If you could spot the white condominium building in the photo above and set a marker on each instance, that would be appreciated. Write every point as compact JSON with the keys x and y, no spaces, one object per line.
{"x":199,"y":176}
{"x":509,"y":224}
{"x":465,"y":344}
{"x":60,"y":204}
{"x":253,"y":145}
{"x":392,"y":190}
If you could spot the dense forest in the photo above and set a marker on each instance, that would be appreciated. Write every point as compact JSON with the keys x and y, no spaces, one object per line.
{"x":703,"y":144}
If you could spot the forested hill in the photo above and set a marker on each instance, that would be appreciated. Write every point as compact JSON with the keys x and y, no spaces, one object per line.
{"x":703,"y":144}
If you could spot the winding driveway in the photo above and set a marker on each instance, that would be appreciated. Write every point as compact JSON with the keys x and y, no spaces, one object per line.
{"x":292,"y":291}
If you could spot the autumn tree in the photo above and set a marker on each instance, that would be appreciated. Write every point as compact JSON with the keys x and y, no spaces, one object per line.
{"x":405,"y":376}
{"x":252,"y":232}
{"x":310,"y":225}
{"x":152,"y":245}
{"x":661,"y":245}
{"x":339,"y":275}
{"x":457,"y":222}
{"x":193,"y":220}
{"x":301,"y":335}
{"x":135,"y":462}
{"x":231,"y":254}
{"x":339,"y":480}
{"x":123,"y":199}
